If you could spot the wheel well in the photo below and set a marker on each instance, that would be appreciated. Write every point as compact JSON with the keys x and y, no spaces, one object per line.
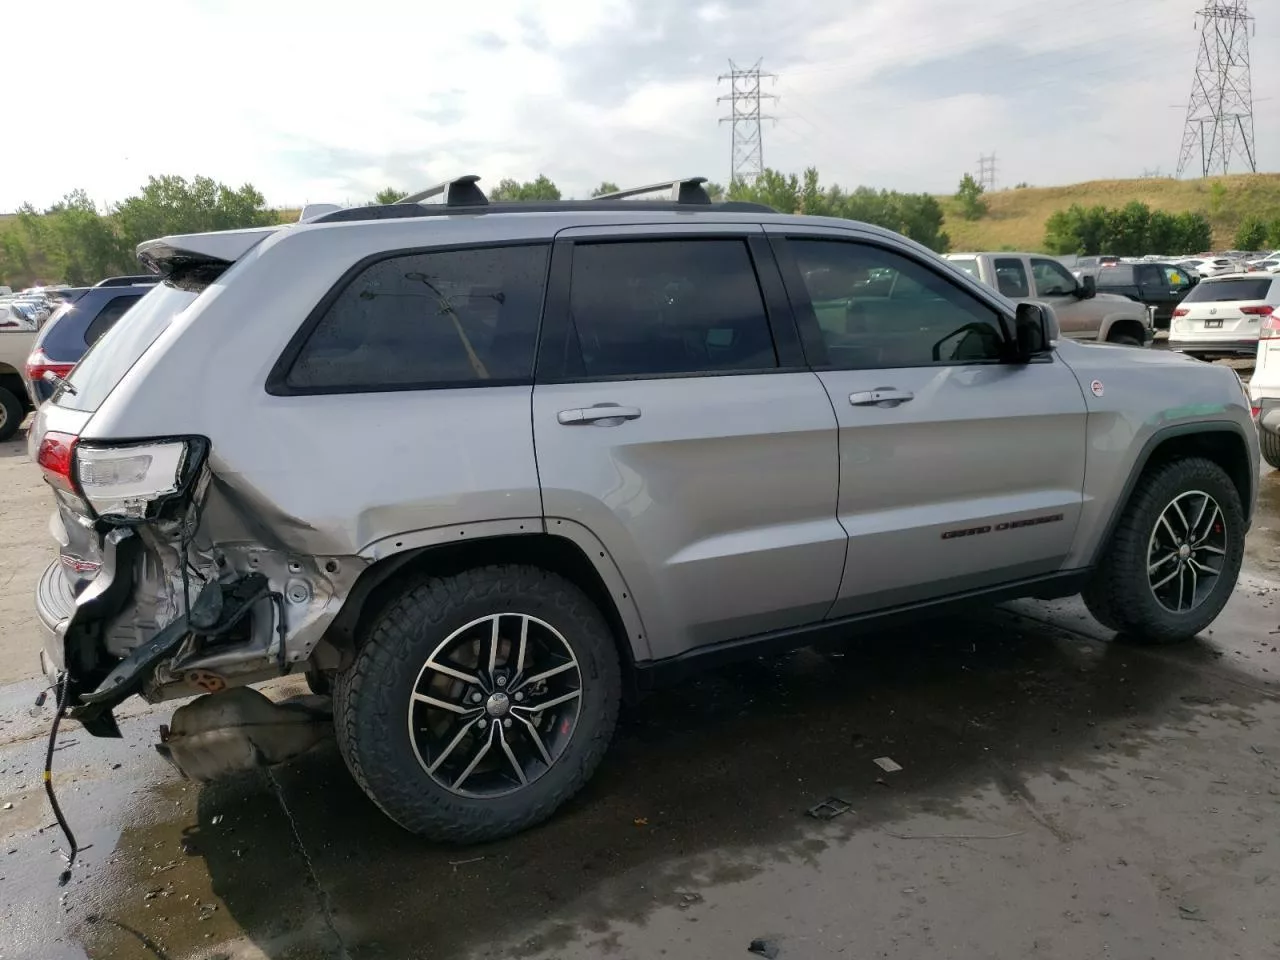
{"x":380,"y":583}
{"x":1131,"y":328}
{"x":1226,"y":448}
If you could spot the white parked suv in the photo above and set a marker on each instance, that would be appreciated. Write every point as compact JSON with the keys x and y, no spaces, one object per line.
{"x":1222,"y":316}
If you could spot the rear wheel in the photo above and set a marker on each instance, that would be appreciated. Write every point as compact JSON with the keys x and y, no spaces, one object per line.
{"x":1175,"y":555}
{"x":1270,"y":445}
{"x":1124,"y":339}
{"x":479,"y":703}
{"x":12,"y":413}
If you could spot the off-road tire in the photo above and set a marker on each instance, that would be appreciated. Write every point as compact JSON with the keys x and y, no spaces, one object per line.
{"x":1270,"y":445}
{"x":371,"y":700}
{"x":12,"y":413}
{"x":1119,"y":594}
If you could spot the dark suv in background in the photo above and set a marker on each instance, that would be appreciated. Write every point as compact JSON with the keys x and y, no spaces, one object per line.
{"x":75,"y":326}
{"x":1158,"y":285}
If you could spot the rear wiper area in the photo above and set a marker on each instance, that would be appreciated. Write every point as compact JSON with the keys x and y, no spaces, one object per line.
{"x":62,"y":383}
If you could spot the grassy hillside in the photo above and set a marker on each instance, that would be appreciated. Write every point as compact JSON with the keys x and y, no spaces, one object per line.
{"x":1016,"y":218}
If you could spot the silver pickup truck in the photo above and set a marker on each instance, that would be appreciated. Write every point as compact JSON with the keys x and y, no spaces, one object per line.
{"x":15,"y":403}
{"x":1083,"y":313}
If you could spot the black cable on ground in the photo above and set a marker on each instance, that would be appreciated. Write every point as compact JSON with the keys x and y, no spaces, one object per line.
{"x":64,"y":690}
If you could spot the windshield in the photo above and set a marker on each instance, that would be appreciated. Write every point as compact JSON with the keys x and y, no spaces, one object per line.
{"x":1220,"y":291}
{"x":116,"y":351}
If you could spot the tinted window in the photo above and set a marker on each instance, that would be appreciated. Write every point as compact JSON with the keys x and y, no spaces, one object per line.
{"x":661,"y":307}
{"x":1011,"y":278}
{"x":1118,"y":276}
{"x":445,"y":318}
{"x":1053,"y":279}
{"x":1218,"y":291}
{"x":878,"y":309}
{"x":1176,"y":277}
{"x":108,"y":316}
{"x":119,"y":348}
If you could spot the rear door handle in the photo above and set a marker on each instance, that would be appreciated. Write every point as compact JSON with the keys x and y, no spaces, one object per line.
{"x":873,"y":398}
{"x":600,"y":415}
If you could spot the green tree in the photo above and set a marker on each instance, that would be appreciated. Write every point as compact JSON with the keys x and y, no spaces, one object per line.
{"x":771,"y":188}
{"x":606,"y":186}
{"x":539,"y":189}
{"x":389,"y":195}
{"x":171,"y":204}
{"x":81,"y":244}
{"x":1273,"y":233}
{"x":1127,"y":230}
{"x":1252,"y":234}
{"x":715,"y":191}
{"x":1195,"y":233}
{"x":972,"y":206}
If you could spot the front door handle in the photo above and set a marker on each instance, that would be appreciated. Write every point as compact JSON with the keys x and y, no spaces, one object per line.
{"x":600,"y":415}
{"x":886,"y":395}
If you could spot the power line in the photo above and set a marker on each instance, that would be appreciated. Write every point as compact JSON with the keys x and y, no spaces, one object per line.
{"x":745,"y":96}
{"x":987,"y":171}
{"x":1219,"y":126}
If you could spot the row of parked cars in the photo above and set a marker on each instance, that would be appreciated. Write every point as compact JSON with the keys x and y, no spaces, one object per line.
{"x":483,"y":470}
{"x":57,"y":326}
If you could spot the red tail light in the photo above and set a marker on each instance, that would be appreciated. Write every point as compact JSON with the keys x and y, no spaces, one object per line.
{"x":1181,"y":312}
{"x":1256,"y":411}
{"x":56,"y":457}
{"x":38,"y":365}
{"x":1262,"y":311}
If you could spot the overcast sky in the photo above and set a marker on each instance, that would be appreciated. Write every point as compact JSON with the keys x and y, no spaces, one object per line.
{"x":322,"y":101}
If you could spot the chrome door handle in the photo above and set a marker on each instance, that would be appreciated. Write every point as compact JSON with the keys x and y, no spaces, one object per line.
{"x":873,"y":398}
{"x":600,"y":415}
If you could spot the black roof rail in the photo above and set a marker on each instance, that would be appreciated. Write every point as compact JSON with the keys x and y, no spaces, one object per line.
{"x":689,"y":190}
{"x":458,"y":192}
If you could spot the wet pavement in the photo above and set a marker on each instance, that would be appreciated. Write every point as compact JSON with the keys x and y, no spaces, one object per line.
{"x":1062,"y":795}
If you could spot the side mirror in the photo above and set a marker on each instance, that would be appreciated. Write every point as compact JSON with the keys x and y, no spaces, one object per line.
{"x":1034,"y":329}
{"x":1088,"y":287}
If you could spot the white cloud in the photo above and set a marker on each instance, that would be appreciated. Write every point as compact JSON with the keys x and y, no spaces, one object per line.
{"x":330,"y":101}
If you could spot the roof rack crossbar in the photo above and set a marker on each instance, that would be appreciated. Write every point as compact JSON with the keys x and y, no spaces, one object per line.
{"x":689,"y":190}
{"x":458,"y":192}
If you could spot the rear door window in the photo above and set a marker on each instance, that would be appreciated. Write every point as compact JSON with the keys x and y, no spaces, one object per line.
{"x":654,"y":308}
{"x":443,"y":318}
{"x":107,"y":317}
{"x":968,"y":264}
{"x":1223,"y":291}
{"x":1011,"y":278}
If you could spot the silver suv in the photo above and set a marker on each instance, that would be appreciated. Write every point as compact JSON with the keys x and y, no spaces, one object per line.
{"x":485,"y":470}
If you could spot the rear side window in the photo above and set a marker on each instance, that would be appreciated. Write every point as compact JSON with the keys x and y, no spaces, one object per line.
{"x":1117,"y":276}
{"x":968,"y":264}
{"x":667,"y":307}
{"x":1220,"y":291}
{"x":438,"y":319}
{"x":107,"y":317}
{"x":1011,"y":278}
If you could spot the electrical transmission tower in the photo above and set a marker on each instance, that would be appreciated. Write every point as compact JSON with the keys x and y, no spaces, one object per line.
{"x":987,"y":172}
{"x":1219,"y":127}
{"x":745,"y":97}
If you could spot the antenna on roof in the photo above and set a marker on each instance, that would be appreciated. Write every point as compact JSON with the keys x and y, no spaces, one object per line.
{"x":458,"y":192}
{"x":689,"y":190}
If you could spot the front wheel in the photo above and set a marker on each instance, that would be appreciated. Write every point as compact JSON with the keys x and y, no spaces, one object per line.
{"x":1175,"y":555}
{"x":1125,"y":340}
{"x":477,"y":704}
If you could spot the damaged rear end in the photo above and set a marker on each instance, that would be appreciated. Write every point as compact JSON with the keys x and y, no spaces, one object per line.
{"x":148,"y":595}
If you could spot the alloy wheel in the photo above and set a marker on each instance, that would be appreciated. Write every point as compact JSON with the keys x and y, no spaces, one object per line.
{"x":1187,"y":552}
{"x":495,"y":705}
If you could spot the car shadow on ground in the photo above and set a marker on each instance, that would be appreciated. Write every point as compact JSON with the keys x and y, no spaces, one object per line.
{"x":707,"y":782}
